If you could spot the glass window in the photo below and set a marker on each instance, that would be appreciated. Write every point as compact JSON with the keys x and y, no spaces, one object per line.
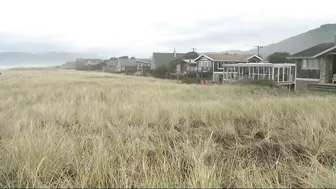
{"x":310,"y":64}
{"x":220,"y":65}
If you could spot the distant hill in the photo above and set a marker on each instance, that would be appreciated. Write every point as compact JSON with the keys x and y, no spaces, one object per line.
{"x":323,"y":34}
{"x":14,"y":59}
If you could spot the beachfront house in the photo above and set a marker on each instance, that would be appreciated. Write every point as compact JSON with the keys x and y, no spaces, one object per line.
{"x":211,"y":65}
{"x":316,"y":65}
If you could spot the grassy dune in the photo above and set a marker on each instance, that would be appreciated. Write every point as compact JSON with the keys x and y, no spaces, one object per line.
{"x":79,"y":129}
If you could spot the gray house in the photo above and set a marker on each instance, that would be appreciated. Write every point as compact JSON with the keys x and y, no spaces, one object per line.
{"x":159,"y":59}
{"x":110,"y":65}
{"x":144,"y":64}
{"x":126,"y":65}
{"x":88,"y":64}
{"x":315,"y":65}
{"x":211,"y":65}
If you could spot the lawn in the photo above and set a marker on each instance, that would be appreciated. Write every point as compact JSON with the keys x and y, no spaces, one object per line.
{"x":80,"y":129}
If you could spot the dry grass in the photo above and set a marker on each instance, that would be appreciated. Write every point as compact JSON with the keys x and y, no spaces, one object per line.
{"x":79,"y":129}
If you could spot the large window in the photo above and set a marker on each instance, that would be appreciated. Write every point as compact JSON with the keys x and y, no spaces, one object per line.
{"x":310,"y":64}
{"x":205,"y":63}
{"x":220,"y":65}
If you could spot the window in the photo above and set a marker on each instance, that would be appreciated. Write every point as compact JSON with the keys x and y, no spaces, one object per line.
{"x":310,"y":64}
{"x":220,"y":65}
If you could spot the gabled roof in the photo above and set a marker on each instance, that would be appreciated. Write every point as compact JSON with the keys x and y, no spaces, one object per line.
{"x":88,"y":59}
{"x":192,"y":61}
{"x":144,"y":60}
{"x":127,"y":62}
{"x":160,"y":59}
{"x":254,"y":56}
{"x":112,"y":62}
{"x":315,"y":51}
{"x":228,"y":57}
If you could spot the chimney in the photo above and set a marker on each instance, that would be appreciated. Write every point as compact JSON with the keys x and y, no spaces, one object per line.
{"x":174,"y":53}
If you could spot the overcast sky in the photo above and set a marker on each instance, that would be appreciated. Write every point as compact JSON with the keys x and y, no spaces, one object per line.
{"x":139,"y":27}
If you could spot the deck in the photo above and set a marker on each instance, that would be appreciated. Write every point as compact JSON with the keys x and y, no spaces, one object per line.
{"x":328,"y":87}
{"x":283,"y":73}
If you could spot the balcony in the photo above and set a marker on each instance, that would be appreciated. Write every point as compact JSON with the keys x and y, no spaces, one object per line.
{"x":199,"y":69}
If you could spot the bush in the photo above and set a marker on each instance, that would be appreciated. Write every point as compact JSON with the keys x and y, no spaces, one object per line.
{"x":159,"y":72}
{"x":190,"y":81}
{"x":268,"y":83}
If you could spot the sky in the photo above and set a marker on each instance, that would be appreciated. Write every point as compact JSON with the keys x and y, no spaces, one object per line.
{"x":140,"y":27}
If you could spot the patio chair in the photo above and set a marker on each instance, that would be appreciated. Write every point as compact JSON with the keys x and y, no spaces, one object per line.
{"x":333,"y":78}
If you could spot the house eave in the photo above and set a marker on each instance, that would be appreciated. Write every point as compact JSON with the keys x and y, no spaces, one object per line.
{"x":300,"y":57}
{"x":204,"y":56}
{"x":255,"y":56}
{"x":230,"y":60}
{"x":324,"y":52}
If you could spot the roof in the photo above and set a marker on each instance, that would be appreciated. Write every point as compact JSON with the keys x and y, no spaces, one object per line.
{"x":189,"y":61}
{"x":277,"y":65}
{"x":112,"y":62}
{"x":146,"y":60}
{"x":228,"y":57}
{"x":127,"y":62}
{"x":314,"y":51}
{"x":88,"y":59}
{"x":160,"y":59}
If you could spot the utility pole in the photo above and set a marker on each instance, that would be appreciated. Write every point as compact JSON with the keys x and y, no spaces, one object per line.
{"x":259,"y":48}
{"x":193,"y":49}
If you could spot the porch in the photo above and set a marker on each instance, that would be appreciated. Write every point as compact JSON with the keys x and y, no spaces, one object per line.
{"x":282,"y":73}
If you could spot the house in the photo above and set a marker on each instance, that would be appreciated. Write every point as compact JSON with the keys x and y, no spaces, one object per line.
{"x":110,"y":65}
{"x":211,"y":65}
{"x":88,"y":64}
{"x":186,"y":66}
{"x":315,"y":65}
{"x":143,"y":64}
{"x":183,"y":68}
{"x":126,"y":65}
{"x":159,"y":59}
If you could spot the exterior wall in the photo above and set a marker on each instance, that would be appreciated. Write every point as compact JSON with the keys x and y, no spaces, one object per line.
{"x":118,"y":67}
{"x":254,"y":60}
{"x":142,"y":65}
{"x":302,"y":84}
{"x":111,"y":68}
{"x":204,"y":65}
{"x":217,"y":77}
{"x":216,"y":64}
{"x":325,"y":67}
{"x":153,"y":66}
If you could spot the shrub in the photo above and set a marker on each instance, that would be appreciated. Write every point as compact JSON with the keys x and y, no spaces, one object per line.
{"x":265,"y":82}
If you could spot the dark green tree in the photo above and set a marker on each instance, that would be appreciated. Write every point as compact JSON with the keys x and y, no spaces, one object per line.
{"x":189,"y":55}
{"x":123,"y":57}
{"x":279,"y":57}
{"x":159,"y":72}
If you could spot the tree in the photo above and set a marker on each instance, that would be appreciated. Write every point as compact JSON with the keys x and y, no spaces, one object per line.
{"x":159,"y":72}
{"x":132,"y":57}
{"x":123,"y":57}
{"x":190,"y":55}
{"x":279,"y":57}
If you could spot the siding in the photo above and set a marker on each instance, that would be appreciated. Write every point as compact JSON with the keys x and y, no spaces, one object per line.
{"x":302,"y":84}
